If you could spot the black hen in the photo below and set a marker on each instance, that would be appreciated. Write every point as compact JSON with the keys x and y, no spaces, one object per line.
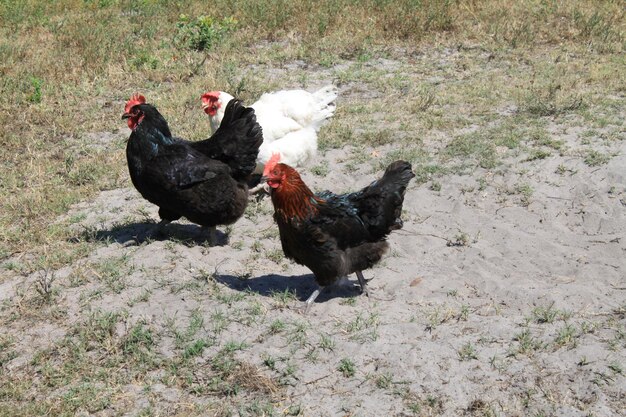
{"x":336,"y":235}
{"x":203,"y":181}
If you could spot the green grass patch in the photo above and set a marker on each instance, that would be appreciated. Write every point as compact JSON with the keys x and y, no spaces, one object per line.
{"x":595,"y":158}
{"x":347,"y":367}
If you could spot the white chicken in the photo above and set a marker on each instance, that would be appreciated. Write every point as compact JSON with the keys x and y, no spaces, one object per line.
{"x":290,"y":120}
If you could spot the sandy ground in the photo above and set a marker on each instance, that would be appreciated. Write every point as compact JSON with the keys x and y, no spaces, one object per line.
{"x":487,"y":304}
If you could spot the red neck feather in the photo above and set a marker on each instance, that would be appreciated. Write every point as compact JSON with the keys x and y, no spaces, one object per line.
{"x":293,"y":199}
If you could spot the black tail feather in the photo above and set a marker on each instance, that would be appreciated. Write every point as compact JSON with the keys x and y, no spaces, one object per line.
{"x":237,"y":140}
{"x":380,"y":203}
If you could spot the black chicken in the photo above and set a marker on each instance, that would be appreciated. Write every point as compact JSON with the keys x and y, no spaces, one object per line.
{"x":336,"y":235}
{"x":204,"y":181}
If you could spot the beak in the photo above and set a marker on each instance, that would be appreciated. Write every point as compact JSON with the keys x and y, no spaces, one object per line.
{"x":264,"y":179}
{"x":205,"y":106}
{"x":126,"y":116}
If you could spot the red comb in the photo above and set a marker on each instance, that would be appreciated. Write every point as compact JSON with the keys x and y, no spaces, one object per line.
{"x":271,"y":163}
{"x":210,"y":96}
{"x":134,"y":100}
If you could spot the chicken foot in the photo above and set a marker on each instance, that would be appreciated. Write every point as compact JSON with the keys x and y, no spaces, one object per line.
{"x":343,"y":280}
{"x":363,"y":282}
{"x":309,"y":301}
{"x":263,"y":187}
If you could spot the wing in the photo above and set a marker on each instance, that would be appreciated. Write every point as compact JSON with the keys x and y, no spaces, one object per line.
{"x":301,"y":106}
{"x":274,"y":122}
{"x":339,"y":218}
{"x":295,"y":148}
{"x":236,"y":142}
{"x":179,"y":167}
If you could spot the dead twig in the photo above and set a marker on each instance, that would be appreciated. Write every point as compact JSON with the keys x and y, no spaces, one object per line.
{"x":318,"y":379}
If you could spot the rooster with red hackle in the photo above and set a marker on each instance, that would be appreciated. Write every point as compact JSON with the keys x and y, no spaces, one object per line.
{"x":204,"y":181}
{"x":336,"y":235}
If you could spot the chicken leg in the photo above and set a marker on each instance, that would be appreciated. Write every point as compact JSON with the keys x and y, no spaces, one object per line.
{"x":309,"y":301}
{"x":362,"y":283}
{"x":212,"y":235}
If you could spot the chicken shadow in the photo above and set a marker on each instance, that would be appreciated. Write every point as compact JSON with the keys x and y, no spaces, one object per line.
{"x":137,"y":233}
{"x":301,"y":286}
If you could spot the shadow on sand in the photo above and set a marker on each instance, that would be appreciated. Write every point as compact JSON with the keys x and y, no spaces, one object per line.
{"x":190,"y":234}
{"x":300,"y":285}
{"x":137,"y":233}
